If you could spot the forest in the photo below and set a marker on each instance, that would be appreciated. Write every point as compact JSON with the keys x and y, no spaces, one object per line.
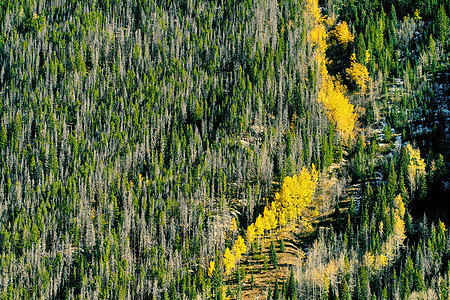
{"x":239,"y":149}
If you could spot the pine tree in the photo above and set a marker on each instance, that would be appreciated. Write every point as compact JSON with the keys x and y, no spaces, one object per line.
{"x":282,"y":246}
{"x":3,"y":138}
{"x":290,"y":287}
{"x":273,"y":255}
{"x":391,"y":181}
{"x":344,"y":292}
{"x":331,"y":293}
{"x":276,"y":292}
{"x":361,"y":49}
{"x":442,"y":25}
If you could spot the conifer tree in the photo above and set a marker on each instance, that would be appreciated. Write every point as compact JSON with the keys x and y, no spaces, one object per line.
{"x":273,"y":255}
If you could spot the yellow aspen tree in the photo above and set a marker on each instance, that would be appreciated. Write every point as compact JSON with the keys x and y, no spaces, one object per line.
{"x":228,"y":261}
{"x":338,"y":107}
{"x":399,"y":229}
{"x":271,"y":216}
{"x":369,"y":259}
{"x":314,"y":10}
{"x":295,"y":194}
{"x":357,"y":74}
{"x":343,"y":34}
{"x":319,"y":37}
{"x":416,"y":163}
{"x":239,"y":247}
{"x":332,"y":94}
{"x":281,"y":214}
{"x":400,"y":206}
{"x":259,"y":225}
{"x":251,"y":233}
{"x":367,"y":57}
{"x":381,"y":261}
{"x":416,"y":166}
{"x":211,"y":268}
{"x":234,"y":225}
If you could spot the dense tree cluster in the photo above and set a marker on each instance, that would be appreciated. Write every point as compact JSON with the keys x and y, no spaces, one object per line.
{"x":129,"y":132}
{"x":134,"y":134}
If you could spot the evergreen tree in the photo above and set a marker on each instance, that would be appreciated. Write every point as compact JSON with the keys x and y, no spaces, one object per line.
{"x":273,"y":255}
{"x":276,"y":292}
{"x":344,"y":292}
{"x":291,"y":293}
{"x":3,"y":138}
{"x":442,"y":25}
{"x":361,"y":49}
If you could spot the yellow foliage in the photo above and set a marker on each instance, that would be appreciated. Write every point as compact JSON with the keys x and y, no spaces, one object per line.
{"x":367,"y":57}
{"x":281,"y":214}
{"x":223,"y":293}
{"x":319,"y":37}
{"x":358,"y":75}
{"x":332,"y":95}
{"x":228,"y":261}
{"x":343,"y":34}
{"x":416,"y":165}
{"x":251,"y":233}
{"x":259,"y":225}
{"x":442,"y":226}
{"x":212,"y":268}
{"x":233,"y":225}
{"x":369,"y":259}
{"x":295,"y":194}
{"x":314,"y":10}
{"x":381,"y":261}
{"x":399,"y":205}
{"x":270,"y":217}
{"x":417,"y":15}
{"x":322,"y":62}
{"x":399,"y":228}
{"x":239,"y":247}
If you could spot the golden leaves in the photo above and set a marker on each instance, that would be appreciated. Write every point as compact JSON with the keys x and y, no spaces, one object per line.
{"x":332,"y":93}
{"x":358,"y":75}
{"x":314,"y":10}
{"x":211,"y":268}
{"x":339,"y":109}
{"x":228,"y":261}
{"x":416,"y":165}
{"x":399,"y":205}
{"x":295,"y":194}
{"x":343,"y":34}
{"x":239,"y":247}
{"x":234,"y":225}
{"x":251,"y":233}
{"x":319,"y":37}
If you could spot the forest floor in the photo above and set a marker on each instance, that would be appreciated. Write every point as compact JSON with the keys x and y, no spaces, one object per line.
{"x":264,"y":274}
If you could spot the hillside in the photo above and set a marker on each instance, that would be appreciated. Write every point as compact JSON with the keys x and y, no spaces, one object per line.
{"x":155,"y":149}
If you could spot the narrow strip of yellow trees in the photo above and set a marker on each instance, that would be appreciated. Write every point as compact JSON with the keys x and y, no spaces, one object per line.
{"x":295,"y":194}
{"x":332,"y":92}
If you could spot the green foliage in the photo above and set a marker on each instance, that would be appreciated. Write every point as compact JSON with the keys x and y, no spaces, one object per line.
{"x":282,"y":246}
{"x":127,"y":130}
{"x":442,"y":26}
{"x":273,"y":255}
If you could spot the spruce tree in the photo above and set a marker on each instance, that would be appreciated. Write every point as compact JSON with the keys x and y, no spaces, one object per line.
{"x":276,"y":292}
{"x":273,"y":255}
